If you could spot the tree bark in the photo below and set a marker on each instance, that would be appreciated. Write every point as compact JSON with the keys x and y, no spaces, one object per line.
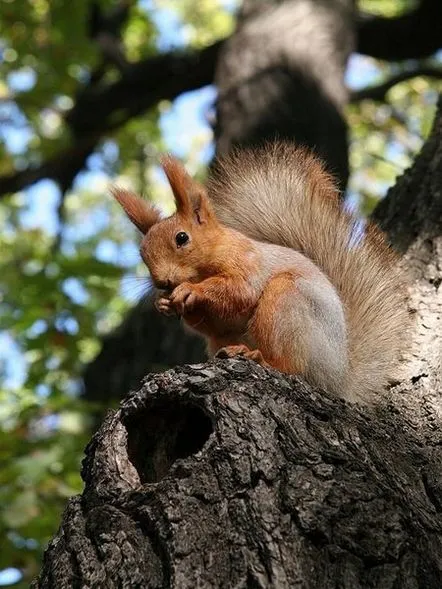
{"x":411,"y":215}
{"x":228,"y":474}
{"x":288,"y":82}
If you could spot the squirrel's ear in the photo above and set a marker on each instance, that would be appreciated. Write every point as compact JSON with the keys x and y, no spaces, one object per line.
{"x":201,"y":207}
{"x":179,"y":181}
{"x":190,"y":196}
{"x":142,"y":214}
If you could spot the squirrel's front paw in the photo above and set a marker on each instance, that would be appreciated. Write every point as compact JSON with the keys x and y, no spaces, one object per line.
{"x":164,"y":306}
{"x":183,"y":298}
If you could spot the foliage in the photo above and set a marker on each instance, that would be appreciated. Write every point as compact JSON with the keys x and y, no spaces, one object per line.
{"x":66,"y":258}
{"x":53,"y":310}
{"x":388,"y":8}
{"x":384,"y":138}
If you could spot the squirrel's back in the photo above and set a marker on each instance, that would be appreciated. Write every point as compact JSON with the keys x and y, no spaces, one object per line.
{"x":281,"y":194}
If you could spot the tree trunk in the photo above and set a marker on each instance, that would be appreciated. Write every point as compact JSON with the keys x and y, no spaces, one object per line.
{"x":231,"y":475}
{"x":288,"y":82}
{"x":282,"y":75}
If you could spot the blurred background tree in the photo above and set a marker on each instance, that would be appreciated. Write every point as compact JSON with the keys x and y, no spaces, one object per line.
{"x":91,"y":93}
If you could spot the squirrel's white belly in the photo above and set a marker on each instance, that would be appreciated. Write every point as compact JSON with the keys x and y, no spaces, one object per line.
{"x":314,"y":316}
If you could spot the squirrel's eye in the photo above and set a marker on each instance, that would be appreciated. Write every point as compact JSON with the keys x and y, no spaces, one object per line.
{"x":181,"y":238}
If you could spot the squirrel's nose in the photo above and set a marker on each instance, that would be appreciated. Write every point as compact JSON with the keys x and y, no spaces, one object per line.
{"x":164,"y":284}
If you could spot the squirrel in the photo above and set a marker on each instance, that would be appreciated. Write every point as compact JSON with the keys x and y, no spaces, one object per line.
{"x":265,"y":262}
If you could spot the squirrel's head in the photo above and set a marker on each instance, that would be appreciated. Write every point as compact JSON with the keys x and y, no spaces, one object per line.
{"x":179,"y":248}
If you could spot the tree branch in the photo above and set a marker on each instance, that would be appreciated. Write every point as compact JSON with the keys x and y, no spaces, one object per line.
{"x":101,"y":109}
{"x":379,"y":92}
{"x":414,"y":35}
{"x":62,"y":168}
{"x":162,"y":77}
{"x":229,"y":475}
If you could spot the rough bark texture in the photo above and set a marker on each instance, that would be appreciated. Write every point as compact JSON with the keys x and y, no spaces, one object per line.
{"x":289,"y":83}
{"x":411,"y":215}
{"x":231,"y":475}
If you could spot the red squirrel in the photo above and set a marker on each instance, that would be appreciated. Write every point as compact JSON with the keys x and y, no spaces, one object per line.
{"x":264,"y":262}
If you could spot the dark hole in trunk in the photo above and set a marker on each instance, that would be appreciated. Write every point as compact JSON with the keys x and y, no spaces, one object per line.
{"x":162,"y":434}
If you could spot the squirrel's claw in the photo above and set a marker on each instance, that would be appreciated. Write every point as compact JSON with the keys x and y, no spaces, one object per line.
{"x":241,"y":350}
{"x":164,"y":306}
{"x":183,"y":298}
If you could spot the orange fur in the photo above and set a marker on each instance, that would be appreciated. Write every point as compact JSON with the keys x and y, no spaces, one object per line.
{"x":281,"y":194}
{"x":274,"y":343}
{"x":241,"y":350}
{"x":190,"y":196}
{"x":142,"y":214}
{"x":179,"y":181}
{"x":327,"y":305}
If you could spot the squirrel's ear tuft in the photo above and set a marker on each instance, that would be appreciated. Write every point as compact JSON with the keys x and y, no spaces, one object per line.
{"x":190,"y":196}
{"x":179,"y":181}
{"x":142,"y":214}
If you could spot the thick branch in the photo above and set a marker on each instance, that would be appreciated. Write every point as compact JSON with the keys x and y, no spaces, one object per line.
{"x":289,"y":80}
{"x":162,"y":77}
{"x":379,"y":92}
{"x":414,"y":35}
{"x":411,"y":214}
{"x":412,"y":210}
{"x":231,"y":475}
{"x":100,"y":109}
{"x":61,"y":168}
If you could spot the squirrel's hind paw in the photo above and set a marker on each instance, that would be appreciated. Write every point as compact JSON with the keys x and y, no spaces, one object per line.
{"x":241,"y":350}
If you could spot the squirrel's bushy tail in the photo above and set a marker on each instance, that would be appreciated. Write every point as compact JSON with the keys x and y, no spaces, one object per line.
{"x":281,"y":194}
